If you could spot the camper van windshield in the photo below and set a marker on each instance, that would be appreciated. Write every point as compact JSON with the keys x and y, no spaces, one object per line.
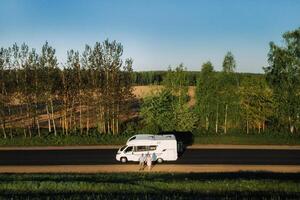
{"x":123,"y":148}
{"x":132,"y":138}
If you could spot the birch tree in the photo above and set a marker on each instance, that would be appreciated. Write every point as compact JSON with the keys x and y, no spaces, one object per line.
{"x":283,"y":76}
{"x":256,"y":103}
{"x":228,"y":87}
{"x":206,"y":95}
{"x":48,"y":63}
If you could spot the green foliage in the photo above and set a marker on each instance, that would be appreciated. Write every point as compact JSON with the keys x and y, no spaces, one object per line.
{"x":217,"y":99}
{"x":157,"y":77}
{"x":229,"y":64}
{"x":157,"y":112}
{"x":206,"y":96}
{"x":176,"y":81}
{"x":283,"y":76}
{"x":168,"y":110}
{"x":256,"y":103}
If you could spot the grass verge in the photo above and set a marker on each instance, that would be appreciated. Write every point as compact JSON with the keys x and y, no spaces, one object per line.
{"x":269,"y":138}
{"x":95,"y":138}
{"x":150,"y":186}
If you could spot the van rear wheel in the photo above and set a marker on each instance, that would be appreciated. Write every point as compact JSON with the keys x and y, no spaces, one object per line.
{"x":160,"y":160}
{"x":123,"y":160}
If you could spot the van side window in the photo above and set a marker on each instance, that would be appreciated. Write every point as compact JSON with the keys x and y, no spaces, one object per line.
{"x":141,"y":148}
{"x":152,"y":148}
{"x":129,"y":149}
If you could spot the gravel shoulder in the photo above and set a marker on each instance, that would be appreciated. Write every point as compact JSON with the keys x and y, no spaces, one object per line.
{"x":157,"y":168}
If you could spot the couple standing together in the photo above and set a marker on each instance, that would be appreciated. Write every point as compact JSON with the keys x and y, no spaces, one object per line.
{"x":146,"y":159}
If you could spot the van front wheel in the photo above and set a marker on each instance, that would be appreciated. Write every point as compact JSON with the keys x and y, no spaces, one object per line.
{"x":160,"y":160}
{"x":123,"y":160}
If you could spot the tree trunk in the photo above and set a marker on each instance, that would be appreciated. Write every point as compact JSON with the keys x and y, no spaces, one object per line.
{"x":37,"y":117}
{"x":22,"y":120}
{"x":225,"y":121}
{"x":217,"y":119}
{"x":117,"y":125}
{"x":80,"y":116}
{"x":291,"y":125}
{"x":49,"y":118}
{"x":206,"y":123}
{"x":3,"y":130}
{"x":113,"y":119}
{"x":100,"y":127}
{"x":247,"y":126}
{"x":38,"y":126}
{"x":65,"y":112}
{"x":52,"y":116}
{"x":87,"y":119}
{"x":71,"y":115}
{"x":62,"y":124}
{"x":9,"y":118}
{"x":66,"y":124}
{"x":28,"y":117}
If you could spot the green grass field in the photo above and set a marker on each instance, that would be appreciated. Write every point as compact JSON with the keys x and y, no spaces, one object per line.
{"x":248,"y":139}
{"x":150,"y":186}
{"x":95,"y":138}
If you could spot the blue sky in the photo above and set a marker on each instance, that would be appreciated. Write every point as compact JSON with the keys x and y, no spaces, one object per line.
{"x":155,"y":33}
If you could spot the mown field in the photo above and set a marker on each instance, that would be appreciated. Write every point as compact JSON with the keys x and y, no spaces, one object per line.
{"x":243,"y":185}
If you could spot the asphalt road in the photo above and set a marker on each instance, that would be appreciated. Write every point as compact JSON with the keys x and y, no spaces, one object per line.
{"x":190,"y":156}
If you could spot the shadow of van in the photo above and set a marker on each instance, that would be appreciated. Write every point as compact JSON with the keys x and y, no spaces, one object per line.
{"x":184,"y":139}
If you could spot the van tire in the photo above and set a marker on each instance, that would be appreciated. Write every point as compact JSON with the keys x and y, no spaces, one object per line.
{"x":159,"y":160}
{"x":123,"y":160}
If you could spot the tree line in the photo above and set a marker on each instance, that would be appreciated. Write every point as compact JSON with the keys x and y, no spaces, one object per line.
{"x":157,"y":77}
{"x":92,"y":89}
{"x":227,"y":100}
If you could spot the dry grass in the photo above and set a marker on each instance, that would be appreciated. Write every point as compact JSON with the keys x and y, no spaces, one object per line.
{"x":143,"y":91}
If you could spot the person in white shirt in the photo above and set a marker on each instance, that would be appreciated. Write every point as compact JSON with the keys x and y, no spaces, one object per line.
{"x":142,"y":161}
{"x":149,"y":161}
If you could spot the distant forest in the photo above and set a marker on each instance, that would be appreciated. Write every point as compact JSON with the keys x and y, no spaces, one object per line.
{"x":157,"y":77}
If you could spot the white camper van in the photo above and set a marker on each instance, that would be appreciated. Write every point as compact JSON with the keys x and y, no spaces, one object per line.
{"x":163,"y":147}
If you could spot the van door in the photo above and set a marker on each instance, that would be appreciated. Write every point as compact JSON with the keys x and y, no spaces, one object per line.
{"x":129,"y":153}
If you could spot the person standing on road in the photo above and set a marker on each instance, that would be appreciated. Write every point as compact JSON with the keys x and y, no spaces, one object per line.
{"x":154,"y":157}
{"x":149,"y":161}
{"x":142,"y":161}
